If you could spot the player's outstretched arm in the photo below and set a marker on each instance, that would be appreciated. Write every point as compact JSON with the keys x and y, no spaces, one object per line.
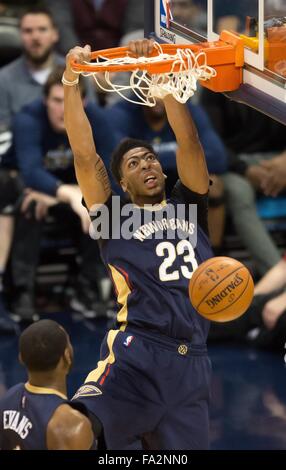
{"x":191,"y":163}
{"x":68,"y":429}
{"x":90,"y":170}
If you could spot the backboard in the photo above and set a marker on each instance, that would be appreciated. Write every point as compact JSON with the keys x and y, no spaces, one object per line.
{"x":260,"y":23}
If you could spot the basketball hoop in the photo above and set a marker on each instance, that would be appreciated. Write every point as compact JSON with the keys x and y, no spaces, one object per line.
{"x":170,"y":70}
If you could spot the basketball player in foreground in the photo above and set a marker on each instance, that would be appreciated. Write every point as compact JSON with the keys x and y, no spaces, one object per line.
{"x":36,"y":415}
{"x":150,"y":389}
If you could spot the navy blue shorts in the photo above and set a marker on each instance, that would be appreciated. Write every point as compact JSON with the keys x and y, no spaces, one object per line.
{"x":150,"y":392}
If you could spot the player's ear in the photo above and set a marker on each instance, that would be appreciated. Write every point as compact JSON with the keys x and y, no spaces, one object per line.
{"x":165,"y":176}
{"x":20,"y":359}
{"x":123,"y":185}
{"x":68,"y":357}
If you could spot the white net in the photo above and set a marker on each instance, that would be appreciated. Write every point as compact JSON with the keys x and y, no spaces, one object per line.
{"x":181,"y":82}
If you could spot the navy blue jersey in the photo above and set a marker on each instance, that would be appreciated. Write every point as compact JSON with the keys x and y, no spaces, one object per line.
{"x":151,"y":270}
{"x":25,"y":412}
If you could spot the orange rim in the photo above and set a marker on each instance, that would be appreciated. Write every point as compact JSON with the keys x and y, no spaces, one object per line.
{"x":217,"y":53}
{"x":226,"y":56}
{"x":161,"y":66}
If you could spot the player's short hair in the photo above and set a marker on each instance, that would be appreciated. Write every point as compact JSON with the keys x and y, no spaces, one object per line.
{"x":38,"y":10}
{"x":42,"y":345}
{"x":55,"y":78}
{"x":123,"y":147}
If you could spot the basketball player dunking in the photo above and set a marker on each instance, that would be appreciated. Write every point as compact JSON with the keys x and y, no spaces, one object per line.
{"x":150,"y":389}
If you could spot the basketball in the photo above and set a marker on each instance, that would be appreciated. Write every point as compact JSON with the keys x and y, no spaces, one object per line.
{"x":221,"y":289}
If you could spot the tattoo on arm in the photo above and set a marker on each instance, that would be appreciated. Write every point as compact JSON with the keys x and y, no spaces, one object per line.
{"x":102,"y":176}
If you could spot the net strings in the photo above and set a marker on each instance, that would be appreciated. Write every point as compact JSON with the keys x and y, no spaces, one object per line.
{"x":181,"y":82}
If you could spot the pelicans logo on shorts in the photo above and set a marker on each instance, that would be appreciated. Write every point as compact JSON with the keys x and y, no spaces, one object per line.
{"x":87,"y":391}
{"x":128,"y":341}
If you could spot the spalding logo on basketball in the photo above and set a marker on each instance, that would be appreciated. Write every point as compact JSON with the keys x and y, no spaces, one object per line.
{"x":221,"y":289}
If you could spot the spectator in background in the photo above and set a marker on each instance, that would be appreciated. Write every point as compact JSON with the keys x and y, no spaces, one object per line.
{"x":274,"y":178}
{"x":271,"y":292}
{"x":11,"y":190}
{"x":131,"y":18}
{"x":21,"y":81}
{"x":151,"y":124}
{"x":99,"y":23}
{"x":45,"y":161}
{"x":257,"y":163}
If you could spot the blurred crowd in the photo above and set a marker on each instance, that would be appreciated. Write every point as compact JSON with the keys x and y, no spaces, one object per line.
{"x":245,"y":153}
